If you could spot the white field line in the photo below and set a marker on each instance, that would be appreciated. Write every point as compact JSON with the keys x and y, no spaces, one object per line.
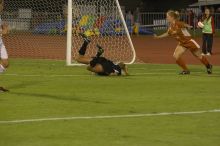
{"x":110,"y":117}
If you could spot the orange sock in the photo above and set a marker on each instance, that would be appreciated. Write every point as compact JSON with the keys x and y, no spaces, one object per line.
{"x":182,"y":64}
{"x":205,"y":61}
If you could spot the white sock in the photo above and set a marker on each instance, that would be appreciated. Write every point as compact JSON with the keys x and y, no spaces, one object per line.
{"x":2,"y":69}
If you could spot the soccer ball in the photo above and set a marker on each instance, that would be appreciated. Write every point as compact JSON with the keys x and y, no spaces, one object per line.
{"x":200,"y":24}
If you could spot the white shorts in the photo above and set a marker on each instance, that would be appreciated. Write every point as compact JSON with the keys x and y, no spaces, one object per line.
{"x":3,"y":52}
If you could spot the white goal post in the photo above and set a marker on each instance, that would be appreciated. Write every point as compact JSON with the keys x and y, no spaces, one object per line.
{"x":101,"y":16}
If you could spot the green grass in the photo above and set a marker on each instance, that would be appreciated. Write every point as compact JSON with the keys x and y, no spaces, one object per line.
{"x":50,"y":93}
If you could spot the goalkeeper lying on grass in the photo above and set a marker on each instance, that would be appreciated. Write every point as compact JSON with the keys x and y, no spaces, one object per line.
{"x":99,"y":65}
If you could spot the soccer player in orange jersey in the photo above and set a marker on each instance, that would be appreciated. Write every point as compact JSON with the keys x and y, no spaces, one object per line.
{"x":178,"y":30}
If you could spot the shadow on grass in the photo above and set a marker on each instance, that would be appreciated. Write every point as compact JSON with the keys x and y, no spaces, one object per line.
{"x":25,"y":84}
{"x":57,"y":97}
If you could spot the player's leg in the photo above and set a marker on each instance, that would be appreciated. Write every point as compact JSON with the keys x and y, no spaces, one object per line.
{"x":100,"y":51}
{"x":197,"y":53}
{"x":204,"y":44}
{"x":81,"y":58}
{"x":195,"y":49}
{"x":85,"y":59}
{"x":209,"y":44}
{"x":94,"y":64}
{"x":4,"y":59}
{"x":180,"y":50}
{"x":3,"y":63}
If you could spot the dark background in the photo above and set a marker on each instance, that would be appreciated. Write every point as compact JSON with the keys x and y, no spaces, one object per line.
{"x":144,"y":5}
{"x":156,"y":5}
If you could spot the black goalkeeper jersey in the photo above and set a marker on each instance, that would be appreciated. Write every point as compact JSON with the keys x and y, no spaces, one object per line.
{"x":108,"y":66}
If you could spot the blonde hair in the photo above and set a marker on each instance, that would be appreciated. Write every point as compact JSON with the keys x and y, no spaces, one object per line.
{"x":174,"y":14}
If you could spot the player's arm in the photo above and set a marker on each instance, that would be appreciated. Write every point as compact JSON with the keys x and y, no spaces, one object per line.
{"x":187,"y":26}
{"x":161,"y":36}
{"x":184,"y":25}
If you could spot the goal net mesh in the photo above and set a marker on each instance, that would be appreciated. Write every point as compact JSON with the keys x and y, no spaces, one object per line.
{"x":38,"y":29}
{"x":102,"y":22}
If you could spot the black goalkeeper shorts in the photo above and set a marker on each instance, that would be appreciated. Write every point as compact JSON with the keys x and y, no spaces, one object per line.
{"x":108,"y":66}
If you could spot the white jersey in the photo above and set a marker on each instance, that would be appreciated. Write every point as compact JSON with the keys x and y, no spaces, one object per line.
{"x":3,"y":51}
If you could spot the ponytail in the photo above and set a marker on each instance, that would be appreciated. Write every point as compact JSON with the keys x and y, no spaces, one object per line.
{"x":177,"y":15}
{"x":174,"y":14}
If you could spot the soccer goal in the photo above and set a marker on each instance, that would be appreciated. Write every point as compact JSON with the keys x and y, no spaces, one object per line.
{"x":49,"y":29}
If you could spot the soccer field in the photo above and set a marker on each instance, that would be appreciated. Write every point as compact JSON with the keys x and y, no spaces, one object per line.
{"x":50,"y":104}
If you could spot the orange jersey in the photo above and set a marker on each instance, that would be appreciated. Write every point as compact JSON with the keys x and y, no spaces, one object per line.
{"x":181,"y":34}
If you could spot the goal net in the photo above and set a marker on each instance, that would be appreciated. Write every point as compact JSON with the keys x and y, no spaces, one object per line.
{"x":37,"y":29}
{"x":49,"y":29}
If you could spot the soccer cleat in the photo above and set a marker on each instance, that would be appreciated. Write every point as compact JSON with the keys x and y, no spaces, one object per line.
{"x":100,"y":50}
{"x":85,"y":38}
{"x":3,"y":89}
{"x":208,"y":54}
{"x":185,"y":72}
{"x":209,"y":69}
